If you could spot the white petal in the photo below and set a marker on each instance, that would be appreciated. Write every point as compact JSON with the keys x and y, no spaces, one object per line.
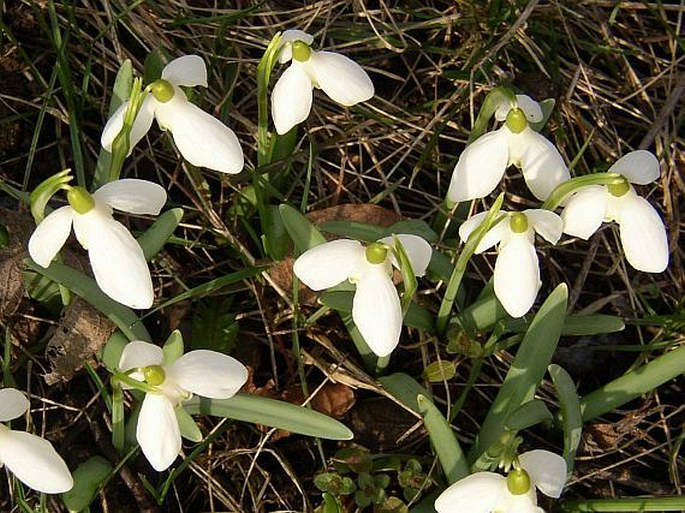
{"x":157,"y":431}
{"x":494,"y":235}
{"x":140,"y":354}
{"x":291,"y":99}
{"x":141,"y":124}
{"x":517,"y":276}
{"x":530,"y":108}
{"x":523,"y":503}
{"x":417,"y":248}
{"x":287,"y":38}
{"x":113,"y":126}
{"x":477,"y":493}
{"x":188,"y":71}
{"x":643,"y":236}
{"x":640,"y":167}
{"x":585,"y":211}
{"x":328,"y":264}
{"x":13,"y":404}
{"x":50,"y":235}
{"x":546,"y":223}
{"x":376,"y":310}
{"x":342,"y":79}
{"x":503,"y":110}
{"x":480,"y":167}
{"x":117,"y":260}
{"x":132,"y":195}
{"x":203,"y":140}
{"x":208,"y":374}
{"x":34,"y":461}
{"x":547,"y":471}
{"x":542,"y":166}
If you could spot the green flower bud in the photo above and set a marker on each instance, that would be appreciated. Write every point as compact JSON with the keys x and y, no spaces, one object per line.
{"x":162,"y":90}
{"x":518,"y":482}
{"x":80,"y":200}
{"x":154,"y":375}
{"x":518,"y":222}
{"x":376,"y":253}
{"x":516,"y":121}
{"x":619,"y":189}
{"x":301,"y":51}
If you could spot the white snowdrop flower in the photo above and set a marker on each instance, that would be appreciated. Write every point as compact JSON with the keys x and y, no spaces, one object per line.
{"x":342,"y":79}
{"x":205,"y":373}
{"x":376,"y":308}
{"x":482,"y":164}
{"x":517,"y":271}
{"x":30,"y":458}
{"x":203,"y":140}
{"x":116,"y":258}
{"x":642,"y":232}
{"x":489,"y":492}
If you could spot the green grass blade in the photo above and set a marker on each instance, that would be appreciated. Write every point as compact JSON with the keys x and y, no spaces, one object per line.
{"x":626,"y":504}
{"x":570,"y":412}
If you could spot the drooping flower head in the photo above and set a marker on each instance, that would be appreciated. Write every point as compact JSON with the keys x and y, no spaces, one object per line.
{"x":482,"y":164}
{"x":376,"y":308}
{"x":642,"y":231}
{"x":517,"y":271}
{"x":202,"y":139}
{"x":342,"y":79}
{"x":487,"y":492}
{"x":205,"y":373}
{"x":116,"y":258}
{"x":30,"y":458}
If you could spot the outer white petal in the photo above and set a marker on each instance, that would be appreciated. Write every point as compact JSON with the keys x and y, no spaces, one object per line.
{"x":328,"y":264}
{"x":113,"y":126}
{"x":157,"y":431}
{"x":140,"y":354}
{"x":491,"y":237}
{"x":141,"y":125}
{"x":418,"y":250}
{"x":541,"y":163}
{"x":640,"y":167}
{"x":376,"y":310}
{"x":547,"y":471}
{"x":342,"y":79}
{"x":117,"y":260}
{"x":34,"y":461}
{"x":208,"y":373}
{"x":517,"y":276}
{"x":524,"y":503}
{"x":287,"y":38}
{"x":477,"y":493}
{"x":585,"y":211}
{"x":530,"y":108}
{"x":188,"y":71}
{"x":132,"y":195}
{"x":50,"y":235}
{"x":643,"y":236}
{"x":291,"y":99}
{"x":13,"y":404}
{"x":203,"y":140}
{"x":480,"y":167}
{"x":548,"y":224}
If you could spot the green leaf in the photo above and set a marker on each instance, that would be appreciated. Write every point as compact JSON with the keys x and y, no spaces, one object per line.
{"x":414,"y":227}
{"x":527,"y":370}
{"x":187,"y":425}
{"x":408,"y":276}
{"x":264,"y":69}
{"x":492,"y":101}
{"x":270,"y":412}
{"x":154,"y":238}
{"x":214,"y":326}
{"x":303,"y":233}
{"x":405,"y":388}
{"x":40,"y":196}
{"x":547,"y":106}
{"x":527,"y":415}
{"x":570,"y":412}
{"x":275,"y":237}
{"x":154,"y":64}
{"x":443,"y":440}
{"x":89,"y":476}
{"x":437,"y":372}
{"x":353,"y":230}
{"x":626,"y":504}
{"x":172,"y":348}
{"x":111,"y":353}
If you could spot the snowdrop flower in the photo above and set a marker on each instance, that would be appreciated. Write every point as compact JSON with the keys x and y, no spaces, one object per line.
{"x":203,"y":140}
{"x":376,"y":308}
{"x":482,"y":164}
{"x":487,"y":492}
{"x":642,"y":232}
{"x":342,"y":79}
{"x":116,"y":258}
{"x":30,"y":458}
{"x":205,"y":373}
{"x":517,"y":272}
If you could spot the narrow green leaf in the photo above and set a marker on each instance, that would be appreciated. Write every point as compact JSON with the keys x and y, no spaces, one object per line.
{"x":353,"y":230}
{"x":570,"y":412}
{"x":154,"y":238}
{"x":89,"y":476}
{"x":443,"y":440}
{"x":172,"y":348}
{"x":188,"y":426}
{"x":405,"y":388}
{"x":547,"y":106}
{"x":303,"y":233}
{"x":527,"y":370}
{"x":437,"y":372}
{"x":86,"y":288}
{"x":414,"y":227}
{"x":270,"y":412}
{"x":626,"y":504}
{"x":275,"y":236}
{"x":264,"y":69}
{"x":408,"y":277}
{"x":111,"y":353}
{"x":527,"y":415}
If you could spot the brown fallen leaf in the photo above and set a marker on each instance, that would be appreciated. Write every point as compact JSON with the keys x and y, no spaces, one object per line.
{"x":18,"y":226}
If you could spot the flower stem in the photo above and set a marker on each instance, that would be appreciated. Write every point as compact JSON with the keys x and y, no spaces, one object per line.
{"x":264,"y":68}
{"x":570,"y":186}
